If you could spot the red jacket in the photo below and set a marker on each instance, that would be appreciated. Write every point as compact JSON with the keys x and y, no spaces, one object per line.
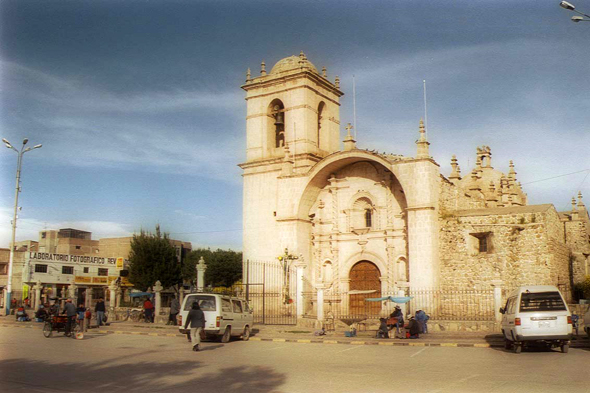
{"x":147,"y":305}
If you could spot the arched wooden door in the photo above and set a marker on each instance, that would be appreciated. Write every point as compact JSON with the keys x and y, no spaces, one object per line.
{"x":364,"y":276}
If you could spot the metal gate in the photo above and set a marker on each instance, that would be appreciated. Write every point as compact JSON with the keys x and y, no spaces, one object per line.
{"x":271,"y":291}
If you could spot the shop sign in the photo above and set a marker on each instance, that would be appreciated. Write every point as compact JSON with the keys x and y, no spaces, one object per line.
{"x":99,"y":280}
{"x":124,"y":282}
{"x":46,"y":256}
{"x":119,"y":263}
{"x":82,"y":280}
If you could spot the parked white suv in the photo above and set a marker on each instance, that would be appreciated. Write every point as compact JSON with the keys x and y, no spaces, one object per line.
{"x":536,"y":313}
{"x":225,"y":316}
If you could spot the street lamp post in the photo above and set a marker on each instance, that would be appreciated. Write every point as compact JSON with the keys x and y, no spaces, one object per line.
{"x":571,"y":7}
{"x":19,"y":163}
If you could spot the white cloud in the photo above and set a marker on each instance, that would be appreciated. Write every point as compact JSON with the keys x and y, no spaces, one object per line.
{"x":29,"y":228}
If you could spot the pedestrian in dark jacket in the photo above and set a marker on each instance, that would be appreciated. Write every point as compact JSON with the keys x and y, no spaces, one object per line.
{"x":196,"y":317}
{"x":397,"y":313}
{"x":99,"y":309}
{"x":70,"y":311}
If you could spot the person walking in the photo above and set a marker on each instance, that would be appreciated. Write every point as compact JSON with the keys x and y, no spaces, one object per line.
{"x":70,"y":311}
{"x":99,"y":309}
{"x":196,"y":317}
{"x":174,"y":310}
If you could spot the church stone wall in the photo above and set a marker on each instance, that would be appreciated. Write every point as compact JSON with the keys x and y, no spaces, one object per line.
{"x":524,"y":248}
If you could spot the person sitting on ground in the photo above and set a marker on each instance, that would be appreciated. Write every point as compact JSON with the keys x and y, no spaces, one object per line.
{"x":399,"y":315}
{"x":41,"y":314}
{"x":21,"y":314}
{"x":383,"y":331}
{"x":414,"y":327}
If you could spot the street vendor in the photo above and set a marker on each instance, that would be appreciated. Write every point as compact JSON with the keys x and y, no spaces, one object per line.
{"x":398,"y":316}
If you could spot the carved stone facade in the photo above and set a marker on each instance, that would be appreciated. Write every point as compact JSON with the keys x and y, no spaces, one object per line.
{"x":336,"y":208}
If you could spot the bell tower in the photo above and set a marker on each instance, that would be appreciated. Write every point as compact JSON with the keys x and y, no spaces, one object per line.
{"x":293,"y":112}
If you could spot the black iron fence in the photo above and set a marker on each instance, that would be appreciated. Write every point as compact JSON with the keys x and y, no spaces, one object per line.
{"x":270,"y":288}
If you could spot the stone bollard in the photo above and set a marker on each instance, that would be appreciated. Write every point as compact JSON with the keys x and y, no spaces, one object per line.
{"x":158,"y":288}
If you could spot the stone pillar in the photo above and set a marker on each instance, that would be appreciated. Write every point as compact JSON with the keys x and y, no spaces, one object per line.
{"x":201,"y":268}
{"x":299,"y":267}
{"x":62,"y":296}
{"x":158,"y":288}
{"x":320,"y":305}
{"x":403,"y":306}
{"x":72,"y":292}
{"x":345,"y":287}
{"x":497,"y":285}
{"x":118,"y":298}
{"x":37,"y":289}
{"x":113,"y":295}
{"x":89,"y":298}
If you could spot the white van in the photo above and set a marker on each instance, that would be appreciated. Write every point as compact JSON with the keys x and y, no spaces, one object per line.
{"x":225,"y":316}
{"x":536,"y":313}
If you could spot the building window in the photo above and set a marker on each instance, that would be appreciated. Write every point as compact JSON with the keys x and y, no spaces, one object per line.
{"x":484,"y":243}
{"x":3,"y":268}
{"x":40,"y":268}
{"x":368,"y":214}
{"x":67,"y":270}
{"x":78,"y":247}
{"x":86,"y":270}
{"x":43,"y":235}
{"x":103,"y":272}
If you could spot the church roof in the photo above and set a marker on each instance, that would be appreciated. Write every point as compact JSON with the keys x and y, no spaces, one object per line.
{"x":499,"y":211}
{"x":293,"y":63}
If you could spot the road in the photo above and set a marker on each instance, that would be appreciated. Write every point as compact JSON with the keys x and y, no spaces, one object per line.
{"x":127,"y":363}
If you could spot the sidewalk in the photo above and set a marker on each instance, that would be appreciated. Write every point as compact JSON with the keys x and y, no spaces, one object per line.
{"x":287,"y":333}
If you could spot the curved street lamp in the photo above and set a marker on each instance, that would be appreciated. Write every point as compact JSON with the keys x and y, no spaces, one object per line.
{"x":571,"y":7}
{"x":19,"y":164}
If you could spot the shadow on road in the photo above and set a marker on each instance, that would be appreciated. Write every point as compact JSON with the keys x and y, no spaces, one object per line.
{"x":23,"y":374}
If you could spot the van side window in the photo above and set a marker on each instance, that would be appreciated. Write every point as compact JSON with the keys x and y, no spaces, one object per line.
{"x":510,"y":305}
{"x":225,"y":305}
{"x":237,"y":306}
{"x":245,"y":306}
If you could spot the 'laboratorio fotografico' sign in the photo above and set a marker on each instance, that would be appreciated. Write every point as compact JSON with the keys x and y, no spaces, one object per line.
{"x":50,"y":257}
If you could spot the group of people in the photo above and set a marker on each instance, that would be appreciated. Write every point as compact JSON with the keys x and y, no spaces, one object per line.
{"x":417,"y":324}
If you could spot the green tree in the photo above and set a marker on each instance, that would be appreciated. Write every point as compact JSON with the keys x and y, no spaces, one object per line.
{"x":224,"y":267}
{"x":152,"y":258}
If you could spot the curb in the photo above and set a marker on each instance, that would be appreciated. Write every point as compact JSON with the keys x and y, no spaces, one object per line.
{"x":401,"y":343}
{"x":382,"y":343}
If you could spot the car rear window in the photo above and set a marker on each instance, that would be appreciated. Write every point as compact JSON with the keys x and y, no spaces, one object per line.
{"x":207,"y":303}
{"x":541,"y":301}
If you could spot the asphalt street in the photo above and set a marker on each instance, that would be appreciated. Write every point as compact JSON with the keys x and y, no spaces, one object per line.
{"x":117,"y":363}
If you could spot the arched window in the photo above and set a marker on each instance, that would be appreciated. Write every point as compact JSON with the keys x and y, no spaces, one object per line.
{"x":362,"y":213}
{"x":277,"y":114}
{"x":320,"y":121}
{"x":368,"y":214}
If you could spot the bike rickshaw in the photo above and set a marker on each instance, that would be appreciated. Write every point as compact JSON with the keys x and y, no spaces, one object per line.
{"x":58,"y":324}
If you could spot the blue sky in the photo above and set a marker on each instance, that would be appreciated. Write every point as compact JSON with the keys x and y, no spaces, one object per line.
{"x":139,"y":108}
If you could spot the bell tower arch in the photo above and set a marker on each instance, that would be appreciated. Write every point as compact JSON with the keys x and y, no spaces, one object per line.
{"x":292,"y":108}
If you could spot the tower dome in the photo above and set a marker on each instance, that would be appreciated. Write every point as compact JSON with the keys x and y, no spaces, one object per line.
{"x":293,"y":63}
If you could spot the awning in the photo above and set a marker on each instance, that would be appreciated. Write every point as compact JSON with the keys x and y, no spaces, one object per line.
{"x":400,"y":299}
{"x":140,"y":294}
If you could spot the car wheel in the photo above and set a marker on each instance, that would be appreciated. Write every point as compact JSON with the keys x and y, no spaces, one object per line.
{"x":47,"y":331}
{"x":246,"y":334}
{"x":517,"y":348}
{"x":565,"y":348}
{"x":226,"y":335}
{"x":507,"y":344}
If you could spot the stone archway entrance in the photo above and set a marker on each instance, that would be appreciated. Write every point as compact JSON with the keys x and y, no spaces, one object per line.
{"x":364,"y":276}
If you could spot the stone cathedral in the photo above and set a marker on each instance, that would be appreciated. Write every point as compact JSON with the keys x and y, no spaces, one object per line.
{"x":364,"y":220}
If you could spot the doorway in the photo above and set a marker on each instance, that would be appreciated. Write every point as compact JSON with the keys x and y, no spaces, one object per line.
{"x":364,"y":276}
